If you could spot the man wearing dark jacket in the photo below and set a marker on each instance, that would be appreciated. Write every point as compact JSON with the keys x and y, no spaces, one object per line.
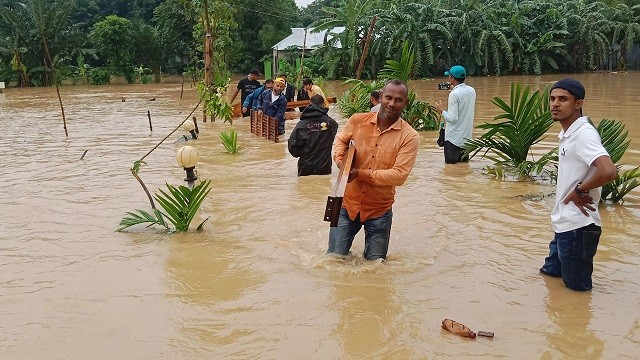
{"x":312,"y":138}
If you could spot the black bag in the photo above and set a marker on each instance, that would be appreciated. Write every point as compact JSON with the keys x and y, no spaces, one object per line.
{"x":440,"y":140}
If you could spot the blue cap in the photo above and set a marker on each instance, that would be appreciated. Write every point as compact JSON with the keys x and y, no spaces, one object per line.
{"x":571,"y":85}
{"x":457,"y":72}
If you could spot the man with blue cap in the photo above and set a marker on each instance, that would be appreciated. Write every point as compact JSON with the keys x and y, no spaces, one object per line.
{"x":583,"y":167}
{"x":458,"y":119}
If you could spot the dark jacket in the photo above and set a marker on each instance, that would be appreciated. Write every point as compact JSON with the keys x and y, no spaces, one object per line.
{"x":311,"y":140}
{"x":253,"y":100}
{"x":290,"y":92}
{"x":302,"y":95}
{"x":274,"y":109}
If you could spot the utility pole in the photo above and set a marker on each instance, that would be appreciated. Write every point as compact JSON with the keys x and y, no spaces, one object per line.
{"x":207,"y":56}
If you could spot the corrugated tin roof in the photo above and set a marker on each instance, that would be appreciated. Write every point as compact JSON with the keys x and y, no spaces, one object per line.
{"x":297,"y":39}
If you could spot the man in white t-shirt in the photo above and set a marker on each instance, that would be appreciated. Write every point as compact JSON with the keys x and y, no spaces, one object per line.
{"x":583,"y":167}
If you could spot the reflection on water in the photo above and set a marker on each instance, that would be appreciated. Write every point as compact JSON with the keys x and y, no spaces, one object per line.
{"x":256,"y":283}
{"x":571,"y":315}
{"x":366,"y":308}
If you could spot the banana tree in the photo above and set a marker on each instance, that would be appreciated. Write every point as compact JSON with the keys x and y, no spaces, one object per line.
{"x":352,"y":15}
{"x":626,"y":31}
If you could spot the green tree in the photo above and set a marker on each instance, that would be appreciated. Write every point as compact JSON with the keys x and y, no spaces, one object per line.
{"x":175,"y":35}
{"x":112,"y":38}
{"x":146,"y":47}
{"x":587,"y":26}
{"x":419,"y":24}
{"x":626,"y":24}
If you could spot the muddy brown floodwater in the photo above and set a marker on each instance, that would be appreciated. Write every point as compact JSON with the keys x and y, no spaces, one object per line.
{"x":256,"y":283}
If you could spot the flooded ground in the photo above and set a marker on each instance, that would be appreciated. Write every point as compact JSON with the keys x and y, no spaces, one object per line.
{"x":256,"y":283}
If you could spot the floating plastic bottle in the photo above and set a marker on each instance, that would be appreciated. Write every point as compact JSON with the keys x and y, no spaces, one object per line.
{"x":457,"y":328}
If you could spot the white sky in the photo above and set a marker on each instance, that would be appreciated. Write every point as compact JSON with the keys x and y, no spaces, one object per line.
{"x":303,"y":3}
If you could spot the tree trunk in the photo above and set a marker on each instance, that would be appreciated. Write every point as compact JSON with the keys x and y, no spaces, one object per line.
{"x":366,"y":47}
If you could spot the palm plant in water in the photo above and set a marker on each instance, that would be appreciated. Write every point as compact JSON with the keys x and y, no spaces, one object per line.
{"x":508,"y":143}
{"x":614,"y":140}
{"x":180,"y":204}
{"x":230,"y":141}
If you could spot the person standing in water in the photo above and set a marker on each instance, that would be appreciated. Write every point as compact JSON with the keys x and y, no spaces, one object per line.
{"x":583,"y":167}
{"x":385,"y":152}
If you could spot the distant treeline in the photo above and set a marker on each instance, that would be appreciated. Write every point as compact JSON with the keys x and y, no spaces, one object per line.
{"x":90,"y":40}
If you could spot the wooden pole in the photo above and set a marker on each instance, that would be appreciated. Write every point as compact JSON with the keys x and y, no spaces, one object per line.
{"x":53,"y":73}
{"x":304,"y":45}
{"x":195,"y":123}
{"x":149,"y":116}
{"x":366,"y":47}
{"x":207,"y":71}
{"x":182,"y":88}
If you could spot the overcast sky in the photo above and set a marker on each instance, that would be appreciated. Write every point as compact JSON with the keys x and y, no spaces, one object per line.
{"x":303,"y":3}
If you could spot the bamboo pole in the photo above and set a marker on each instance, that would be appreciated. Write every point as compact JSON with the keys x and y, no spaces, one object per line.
{"x":366,"y":47}
{"x":53,"y":73}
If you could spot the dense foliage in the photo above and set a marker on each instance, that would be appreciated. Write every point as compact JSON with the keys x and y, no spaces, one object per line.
{"x":486,"y":36}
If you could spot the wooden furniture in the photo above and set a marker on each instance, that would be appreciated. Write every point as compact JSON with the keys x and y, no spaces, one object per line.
{"x":264,"y":126}
{"x":237,"y":108}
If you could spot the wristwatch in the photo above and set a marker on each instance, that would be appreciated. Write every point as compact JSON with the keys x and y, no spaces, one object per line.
{"x":581,"y":193}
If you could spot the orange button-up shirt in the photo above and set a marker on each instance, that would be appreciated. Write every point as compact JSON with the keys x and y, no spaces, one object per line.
{"x":383,"y":159}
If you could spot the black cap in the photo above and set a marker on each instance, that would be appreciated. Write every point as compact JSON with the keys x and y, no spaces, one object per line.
{"x":255,"y":71}
{"x":571,"y":85}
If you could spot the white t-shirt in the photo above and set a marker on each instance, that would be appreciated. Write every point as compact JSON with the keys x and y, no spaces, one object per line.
{"x":274,"y":97}
{"x":579,"y":146}
{"x":376,"y":108}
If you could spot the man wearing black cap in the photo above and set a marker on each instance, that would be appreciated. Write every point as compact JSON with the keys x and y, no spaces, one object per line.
{"x":458,"y":119}
{"x":583,"y":167}
{"x":246,"y":86}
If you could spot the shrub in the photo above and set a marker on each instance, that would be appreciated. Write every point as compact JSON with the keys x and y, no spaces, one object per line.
{"x":99,"y":76}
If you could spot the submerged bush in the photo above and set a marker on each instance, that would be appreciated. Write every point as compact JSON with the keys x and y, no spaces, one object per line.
{"x":99,"y":76}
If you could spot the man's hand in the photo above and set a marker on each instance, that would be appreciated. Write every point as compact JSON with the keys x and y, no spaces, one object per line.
{"x":244,"y":109}
{"x":353,"y":174}
{"x":580,"y":202}
{"x":439,"y":106}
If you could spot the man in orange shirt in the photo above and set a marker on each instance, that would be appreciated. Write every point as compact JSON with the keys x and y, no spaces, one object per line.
{"x":386,"y":149}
